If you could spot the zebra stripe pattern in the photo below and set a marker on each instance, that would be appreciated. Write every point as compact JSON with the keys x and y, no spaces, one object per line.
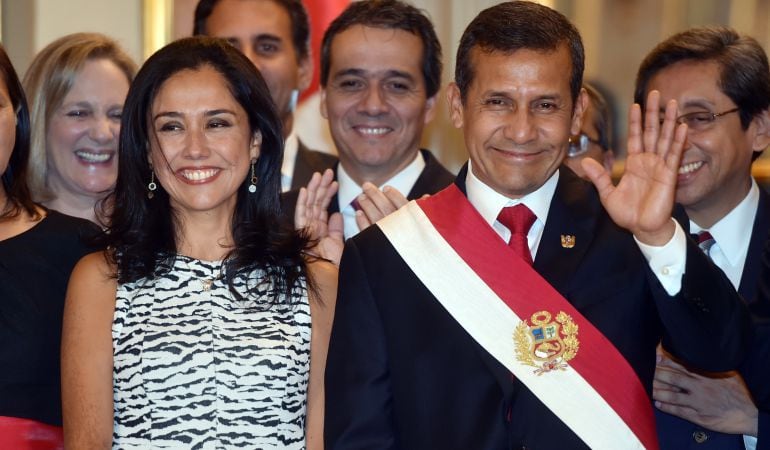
{"x":197,"y":369}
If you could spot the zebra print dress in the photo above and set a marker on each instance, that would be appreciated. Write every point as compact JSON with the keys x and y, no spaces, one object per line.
{"x":196,"y":369}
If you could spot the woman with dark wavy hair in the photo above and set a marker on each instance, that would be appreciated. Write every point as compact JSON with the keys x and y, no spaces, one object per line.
{"x":194,"y":327}
{"x":38,"y":249}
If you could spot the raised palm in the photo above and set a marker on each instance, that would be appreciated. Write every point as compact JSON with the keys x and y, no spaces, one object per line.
{"x":643,"y":200}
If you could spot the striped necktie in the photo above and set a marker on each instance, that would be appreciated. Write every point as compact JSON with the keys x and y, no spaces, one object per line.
{"x":705,"y":241}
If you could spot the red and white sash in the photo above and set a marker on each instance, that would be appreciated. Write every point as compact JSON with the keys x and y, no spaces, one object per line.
{"x":491,"y":291}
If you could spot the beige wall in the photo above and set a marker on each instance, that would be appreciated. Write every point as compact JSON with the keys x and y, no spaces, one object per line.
{"x":29,"y":25}
{"x":617,"y":34}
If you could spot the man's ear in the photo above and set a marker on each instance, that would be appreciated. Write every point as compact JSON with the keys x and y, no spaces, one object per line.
{"x":430,"y":109}
{"x":305,"y":73}
{"x":324,"y":113}
{"x":581,"y":104}
{"x":761,"y":138}
{"x":256,"y":145}
{"x":455,"y":105}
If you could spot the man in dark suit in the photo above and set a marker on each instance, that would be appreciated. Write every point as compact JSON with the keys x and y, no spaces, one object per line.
{"x":380,"y":73}
{"x":435,"y":312}
{"x":275,"y":36}
{"x":721,"y":81}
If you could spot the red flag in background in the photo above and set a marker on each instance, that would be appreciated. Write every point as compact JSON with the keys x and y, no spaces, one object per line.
{"x":321,"y":13}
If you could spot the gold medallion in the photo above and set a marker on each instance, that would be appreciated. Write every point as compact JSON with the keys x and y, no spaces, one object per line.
{"x":546,"y":344}
{"x":567,"y":240}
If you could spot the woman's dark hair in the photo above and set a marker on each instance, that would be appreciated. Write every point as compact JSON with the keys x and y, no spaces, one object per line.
{"x":15,"y":177}
{"x":142,"y":234}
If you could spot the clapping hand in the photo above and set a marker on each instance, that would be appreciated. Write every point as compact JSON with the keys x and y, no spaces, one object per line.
{"x":311,"y":214}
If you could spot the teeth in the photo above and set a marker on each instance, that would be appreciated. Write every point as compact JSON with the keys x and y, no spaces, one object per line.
{"x":93,"y":157}
{"x":198,"y":175}
{"x":689,"y":168}
{"x":374,"y":131}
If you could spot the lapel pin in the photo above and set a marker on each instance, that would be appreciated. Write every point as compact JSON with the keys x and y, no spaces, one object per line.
{"x":567,"y":240}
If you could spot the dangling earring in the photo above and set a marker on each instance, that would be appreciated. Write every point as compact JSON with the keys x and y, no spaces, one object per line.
{"x":253,"y":185}
{"x":152,"y":186}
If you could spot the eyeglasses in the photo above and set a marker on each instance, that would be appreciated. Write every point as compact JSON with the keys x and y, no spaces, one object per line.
{"x":701,"y":120}
{"x":578,"y":144}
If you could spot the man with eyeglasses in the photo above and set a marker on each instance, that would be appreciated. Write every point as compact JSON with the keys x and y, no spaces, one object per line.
{"x":594,"y":140}
{"x":721,"y":82}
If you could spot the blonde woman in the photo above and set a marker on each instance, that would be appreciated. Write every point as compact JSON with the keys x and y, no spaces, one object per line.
{"x":38,"y":249}
{"x":76,"y":87}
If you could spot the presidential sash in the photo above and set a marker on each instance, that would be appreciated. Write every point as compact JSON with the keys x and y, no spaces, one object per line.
{"x":522,"y":321}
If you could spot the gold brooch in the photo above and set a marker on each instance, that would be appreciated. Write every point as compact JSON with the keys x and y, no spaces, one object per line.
{"x":546,"y":344}
{"x":567,"y":240}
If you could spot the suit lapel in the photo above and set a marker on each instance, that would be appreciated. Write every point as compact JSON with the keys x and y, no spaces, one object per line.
{"x":759,"y":235}
{"x":432,"y":179}
{"x":574,"y":210}
{"x":302,"y":169}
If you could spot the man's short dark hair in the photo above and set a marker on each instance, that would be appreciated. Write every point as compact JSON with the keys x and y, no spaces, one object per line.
{"x":300,"y":24}
{"x":388,"y":14}
{"x":513,"y":26}
{"x":744,"y":71}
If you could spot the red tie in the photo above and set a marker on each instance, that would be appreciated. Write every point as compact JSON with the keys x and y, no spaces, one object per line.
{"x":518,"y":219}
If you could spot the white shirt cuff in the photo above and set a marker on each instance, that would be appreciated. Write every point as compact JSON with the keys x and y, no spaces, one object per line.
{"x":750,"y":442}
{"x":668,"y":262}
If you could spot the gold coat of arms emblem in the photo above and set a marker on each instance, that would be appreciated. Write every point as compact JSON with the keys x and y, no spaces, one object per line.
{"x":546,"y":344}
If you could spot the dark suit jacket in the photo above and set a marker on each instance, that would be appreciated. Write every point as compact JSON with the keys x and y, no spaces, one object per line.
{"x":402,"y":373}
{"x":678,"y":434}
{"x":432,"y":179}
{"x":307,"y":163}
{"x":756,"y":368}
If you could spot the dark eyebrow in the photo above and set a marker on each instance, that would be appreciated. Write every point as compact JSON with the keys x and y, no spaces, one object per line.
{"x":698,"y":103}
{"x":360,"y":73}
{"x":171,"y":114}
{"x":215,"y":112}
{"x":267,"y":37}
{"x":176,"y":114}
{"x":553,"y":97}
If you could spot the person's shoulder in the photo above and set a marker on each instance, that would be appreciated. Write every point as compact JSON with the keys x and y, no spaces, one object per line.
{"x":317,"y":158}
{"x":434,"y":167}
{"x":76,"y":226}
{"x":97,"y":266}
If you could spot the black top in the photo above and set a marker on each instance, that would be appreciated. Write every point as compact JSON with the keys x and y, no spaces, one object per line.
{"x":34,"y":270}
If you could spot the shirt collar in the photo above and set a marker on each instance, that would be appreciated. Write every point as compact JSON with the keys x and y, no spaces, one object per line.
{"x":403,"y":181}
{"x":732,"y":233}
{"x":290,"y":149}
{"x":489,"y":202}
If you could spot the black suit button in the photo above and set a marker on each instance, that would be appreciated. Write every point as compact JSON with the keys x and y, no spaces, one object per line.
{"x":700,"y":436}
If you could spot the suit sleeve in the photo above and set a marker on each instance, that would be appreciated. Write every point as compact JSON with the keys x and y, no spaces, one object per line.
{"x":706,"y":324}
{"x":358,"y":395}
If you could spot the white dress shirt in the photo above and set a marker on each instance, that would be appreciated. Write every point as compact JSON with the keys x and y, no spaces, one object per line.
{"x":732,"y":235}
{"x":403,"y":181}
{"x":290,"y":150}
{"x":667,"y":262}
